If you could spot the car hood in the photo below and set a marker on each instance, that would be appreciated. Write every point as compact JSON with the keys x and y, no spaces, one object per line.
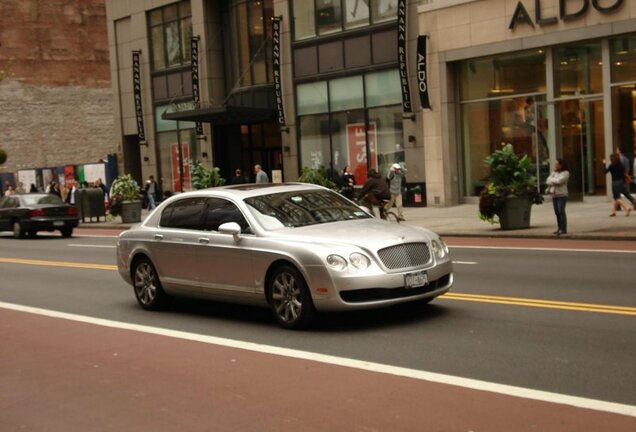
{"x":366,"y":233}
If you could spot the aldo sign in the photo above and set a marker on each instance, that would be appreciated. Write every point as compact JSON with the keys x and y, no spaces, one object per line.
{"x":568,"y":11}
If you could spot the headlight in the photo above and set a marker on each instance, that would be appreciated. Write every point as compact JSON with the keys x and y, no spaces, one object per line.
{"x":439,"y":248}
{"x":359,"y":261}
{"x":336,"y":262}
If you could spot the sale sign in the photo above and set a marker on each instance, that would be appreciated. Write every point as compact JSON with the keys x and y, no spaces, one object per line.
{"x":357,"y":145}
{"x":174,"y":159}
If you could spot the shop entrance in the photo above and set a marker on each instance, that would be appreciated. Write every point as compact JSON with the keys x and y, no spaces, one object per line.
{"x":580,"y":135}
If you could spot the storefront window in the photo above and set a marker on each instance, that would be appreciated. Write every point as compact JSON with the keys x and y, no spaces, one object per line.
{"x":349,"y":140}
{"x":623,"y":57}
{"x":170,"y":34}
{"x":304,"y":19}
{"x":383,"y":88}
{"x":346,"y":93}
{"x":328,"y":16}
{"x":384,"y":10}
{"x":578,"y":70}
{"x":167,"y":141}
{"x":386,"y":124}
{"x":316,"y":150}
{"x":312,"y":98}
{"x":356,"y":13}
{"x":498,"y":76}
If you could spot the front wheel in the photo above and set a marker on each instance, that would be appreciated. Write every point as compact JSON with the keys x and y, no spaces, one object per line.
{"x":148,"y":291}
{"x":18,"y":231}
{"x":289,"y":298}
{"x":391,"y":217}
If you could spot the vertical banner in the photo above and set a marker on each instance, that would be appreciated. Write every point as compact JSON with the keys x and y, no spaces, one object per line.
{"x":276,"y":58}
{"x":141,"y":133}
{"x":194,"y":45}
{"x":422,"y":76}
{"x":402,"y":63}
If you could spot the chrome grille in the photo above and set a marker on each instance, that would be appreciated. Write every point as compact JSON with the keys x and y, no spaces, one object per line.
{"x":405,"y":255}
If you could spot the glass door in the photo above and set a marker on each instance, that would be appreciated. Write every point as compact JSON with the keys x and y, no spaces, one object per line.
{"x":582,"y":144}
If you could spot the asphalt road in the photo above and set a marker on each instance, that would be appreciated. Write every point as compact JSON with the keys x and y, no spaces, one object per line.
{"x":521,"y":313}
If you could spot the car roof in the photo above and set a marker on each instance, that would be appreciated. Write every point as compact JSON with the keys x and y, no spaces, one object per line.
{"x":248,"y":190}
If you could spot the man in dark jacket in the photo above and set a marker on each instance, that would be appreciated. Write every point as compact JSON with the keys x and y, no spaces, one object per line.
{"x":374,"y":191}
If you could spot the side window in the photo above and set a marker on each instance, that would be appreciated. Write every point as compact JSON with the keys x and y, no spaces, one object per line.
{"x":186,"y":213}
{"x":221,"y":211}
{"x":10,"y":203}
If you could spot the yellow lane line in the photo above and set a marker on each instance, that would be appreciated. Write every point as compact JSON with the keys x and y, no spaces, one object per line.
{"x":58,"y":264}
{"x":514,"y":301}
{"x":546,"y":304}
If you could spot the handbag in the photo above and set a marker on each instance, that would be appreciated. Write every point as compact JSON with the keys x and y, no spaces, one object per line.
{"x":628,"y":179}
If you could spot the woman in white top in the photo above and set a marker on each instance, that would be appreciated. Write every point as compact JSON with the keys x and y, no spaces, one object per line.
{"x":558,"y":187}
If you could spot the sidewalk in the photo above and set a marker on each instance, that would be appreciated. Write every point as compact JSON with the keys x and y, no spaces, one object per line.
{"x":586,"y":220}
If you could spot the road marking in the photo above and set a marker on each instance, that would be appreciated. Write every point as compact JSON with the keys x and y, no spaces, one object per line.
{"x":90,"y":245}
{"x":513,"y":301}
{"x":545,"y":249}
{"x":521,"y":392}
{"x":546,"y":304}
{"x":58,"y":264}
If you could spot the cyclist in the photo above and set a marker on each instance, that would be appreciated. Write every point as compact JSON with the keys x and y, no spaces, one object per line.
{"x":375,"y":192}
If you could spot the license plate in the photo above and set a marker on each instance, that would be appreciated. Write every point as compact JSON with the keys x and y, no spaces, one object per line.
{"x":58,"y":223}
{"x":414,"y":280}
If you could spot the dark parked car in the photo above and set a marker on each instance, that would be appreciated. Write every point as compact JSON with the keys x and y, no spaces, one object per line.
{"x":26,"y":214}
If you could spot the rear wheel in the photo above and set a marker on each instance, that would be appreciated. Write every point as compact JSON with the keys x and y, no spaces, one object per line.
{"x":32,"y":233}
{"x":18,"y":231}
{"x":66,"y":232}
{"x":289,"y":298}
{"x":148,"y":290}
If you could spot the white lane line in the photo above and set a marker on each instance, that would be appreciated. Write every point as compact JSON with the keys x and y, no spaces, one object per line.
{"x":465,"y":262}
{"x":544,"y":249}
{"x":90,"y":245}
{"x":579,"y":402}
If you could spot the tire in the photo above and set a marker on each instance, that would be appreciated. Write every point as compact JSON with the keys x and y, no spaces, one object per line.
{"x":289,"y":298}
{"x":32,"y":233}
{"x":66,"y":232}
{"x":148,"y":291}
{"x":18,"y":231}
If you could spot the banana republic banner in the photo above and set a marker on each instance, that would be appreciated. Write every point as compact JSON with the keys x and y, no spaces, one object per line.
{"x":194,"y":46}
{"x":141,"y":133}
{"x":278,"y":84}
{"x":422,"y":76}
{"x":402,"y":63}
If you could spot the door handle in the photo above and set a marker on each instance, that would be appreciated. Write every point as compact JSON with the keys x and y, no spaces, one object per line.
{"x":204,"y":240}
{"x":158,"y":237}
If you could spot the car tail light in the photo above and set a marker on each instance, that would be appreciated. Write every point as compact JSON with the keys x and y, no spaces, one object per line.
{"x":72,"y":211}
{"x":37,"y":212}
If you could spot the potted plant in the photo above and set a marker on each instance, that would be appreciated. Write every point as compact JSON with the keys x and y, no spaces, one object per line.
{"x":317,"y":176}
{"x":125,"y":199}
{"x":510,"y":190}
{"x":203,"y":177}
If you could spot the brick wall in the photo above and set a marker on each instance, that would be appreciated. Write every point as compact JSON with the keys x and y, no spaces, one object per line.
{"x":56,"y":101}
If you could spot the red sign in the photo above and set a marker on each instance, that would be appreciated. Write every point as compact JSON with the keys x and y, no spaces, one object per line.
{"x":357,"y":145}
{"x":176,"y":183}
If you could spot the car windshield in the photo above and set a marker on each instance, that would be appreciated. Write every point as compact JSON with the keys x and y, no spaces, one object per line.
{"x":36,"y":199}
{"x":301,"y":208}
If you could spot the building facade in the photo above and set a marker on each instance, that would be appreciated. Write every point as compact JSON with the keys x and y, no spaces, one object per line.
{"x":554,"y":78}
{"x":336,"y":83}
{"x":55,"y":98}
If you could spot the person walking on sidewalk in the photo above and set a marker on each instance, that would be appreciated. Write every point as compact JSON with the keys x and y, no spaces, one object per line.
{"x":617,"y":171}
{"x":396,"y":178}
{"x":558,"y":187}
{"x":151,"y":189}
{"x":261,"y":176}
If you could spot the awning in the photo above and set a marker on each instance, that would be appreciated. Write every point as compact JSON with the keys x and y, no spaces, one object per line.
{"x":227,"y":115}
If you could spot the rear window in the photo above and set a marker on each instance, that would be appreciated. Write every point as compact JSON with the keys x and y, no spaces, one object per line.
{"x":37,"y":199}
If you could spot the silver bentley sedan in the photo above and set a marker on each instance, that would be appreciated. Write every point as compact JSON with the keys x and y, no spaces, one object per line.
{"x":296,"y":248}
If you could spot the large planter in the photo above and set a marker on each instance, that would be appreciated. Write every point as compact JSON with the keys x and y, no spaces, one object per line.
{"x":130,"y":211}
{"x":515,"y":213}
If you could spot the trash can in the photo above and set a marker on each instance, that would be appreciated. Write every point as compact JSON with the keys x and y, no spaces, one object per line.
{"x":415,"y":195}
{"x":91,"y":204}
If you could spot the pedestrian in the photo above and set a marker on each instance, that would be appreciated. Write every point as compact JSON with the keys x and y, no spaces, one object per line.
{"x":238,"y":177}
{"x":53,"y":189}
{"x":150,"y":190}
{"x":558,"y":187}
{"x":617,"y":172}
{"x":32,"y":189}
{"x":348,"y":181}
{"x":20,"y":189}
{"x":261,"y":176}
{"x":70,"y":196}
{"x":374,"y":191}
{"x":396,"y":178}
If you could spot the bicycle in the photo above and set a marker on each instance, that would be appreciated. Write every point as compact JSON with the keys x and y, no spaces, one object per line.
{"x":388,"y":215}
